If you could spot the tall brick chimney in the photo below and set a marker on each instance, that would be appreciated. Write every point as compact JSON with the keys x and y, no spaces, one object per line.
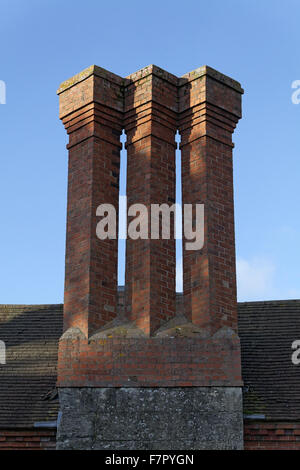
{"x":150,"y":375}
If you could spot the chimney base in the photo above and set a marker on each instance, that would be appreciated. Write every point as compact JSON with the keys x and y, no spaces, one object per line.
{"x":165,"y":418}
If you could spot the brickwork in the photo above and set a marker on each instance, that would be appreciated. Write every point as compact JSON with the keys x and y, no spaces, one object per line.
{"x":263,"y":435}
{"x":91,"y":111}
{"x":209,"y":110}
{"x":258,"y":435}
{"x":20,"y":439}
{"x":149,"y":362}
{"x":150,"y":123}
{"x":149,"y":344}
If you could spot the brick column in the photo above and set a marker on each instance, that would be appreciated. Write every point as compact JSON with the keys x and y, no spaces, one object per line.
{"x":210,"y":107}
{"x":91,"y":108}
{"x":150,"y":123}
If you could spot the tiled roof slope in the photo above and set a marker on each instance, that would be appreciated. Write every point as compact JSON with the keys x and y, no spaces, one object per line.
{"x":27,"y":381}
{"x":31,"y":333}
{"x":272,"y":382}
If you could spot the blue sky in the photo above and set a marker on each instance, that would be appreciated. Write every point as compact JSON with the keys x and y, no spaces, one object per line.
{"x":44,"y":43}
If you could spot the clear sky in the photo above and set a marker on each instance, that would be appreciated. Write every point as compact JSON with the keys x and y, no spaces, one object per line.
{"x":46,"y":42}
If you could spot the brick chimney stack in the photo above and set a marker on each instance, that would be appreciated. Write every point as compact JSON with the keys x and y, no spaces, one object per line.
{"x":136,"y":377}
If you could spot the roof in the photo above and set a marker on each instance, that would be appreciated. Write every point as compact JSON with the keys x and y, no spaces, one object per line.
{"x":272,"y":382}
{"x":27,"y":380}
{"x":31,"y":333}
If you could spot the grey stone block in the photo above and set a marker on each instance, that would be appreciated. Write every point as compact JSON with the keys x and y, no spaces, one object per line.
{"x":151,"y":418}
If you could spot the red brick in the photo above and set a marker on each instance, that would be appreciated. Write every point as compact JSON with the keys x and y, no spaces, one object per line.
{"x":271,"y":436}
{"x":150,"y":104}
